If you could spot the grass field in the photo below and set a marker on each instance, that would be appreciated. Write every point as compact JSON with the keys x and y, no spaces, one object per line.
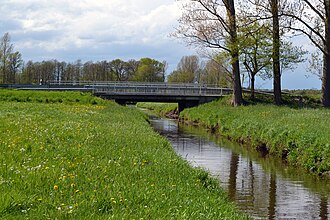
{"x":74,"y":156}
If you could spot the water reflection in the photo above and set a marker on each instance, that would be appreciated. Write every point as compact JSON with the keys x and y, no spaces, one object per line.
{"x":260,"y":186}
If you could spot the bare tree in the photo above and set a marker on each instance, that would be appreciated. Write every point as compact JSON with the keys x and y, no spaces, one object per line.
{"x":215,"y":72}
{"x":313,"y":20}
{"x":189,"y":64}
{"x":186,"y":71}
{"x":212,"y":24}
{"x":15,"y":64}
{"x":6,"y":48}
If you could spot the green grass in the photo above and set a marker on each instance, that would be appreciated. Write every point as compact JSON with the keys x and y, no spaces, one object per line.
{"x":69,"y":160}
{"x":48,"y":97}
{"x":159,"y":108}
{"x":300,"y":136}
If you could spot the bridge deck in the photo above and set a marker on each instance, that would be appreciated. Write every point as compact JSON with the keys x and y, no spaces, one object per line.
{"x":186,"y":95}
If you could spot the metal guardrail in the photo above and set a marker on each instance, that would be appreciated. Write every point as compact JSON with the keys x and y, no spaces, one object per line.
{"x":131,"y":87}
{"x":138,"y":88}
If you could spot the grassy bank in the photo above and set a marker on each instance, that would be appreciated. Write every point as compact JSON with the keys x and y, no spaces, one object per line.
{"x":162,"y":109}
{"x":299,"y":136}
{"x":84,"y":158}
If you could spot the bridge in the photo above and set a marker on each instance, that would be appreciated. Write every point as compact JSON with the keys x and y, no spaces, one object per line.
{"x":186,"y":95}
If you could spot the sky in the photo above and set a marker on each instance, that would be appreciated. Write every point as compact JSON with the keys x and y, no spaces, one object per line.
{"x":96,"y":30}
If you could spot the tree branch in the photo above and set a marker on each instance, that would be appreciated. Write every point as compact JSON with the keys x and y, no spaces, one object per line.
{"x":314,"y":9}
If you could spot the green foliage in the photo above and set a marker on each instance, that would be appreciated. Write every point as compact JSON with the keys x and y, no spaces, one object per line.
{"x":301,"y":136}
{"x":69,"y":160}
{"x":180,"y":76}
{"x":150,"y":70}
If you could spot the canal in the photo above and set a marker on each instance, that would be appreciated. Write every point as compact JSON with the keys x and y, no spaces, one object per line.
{"x":260,"y":186}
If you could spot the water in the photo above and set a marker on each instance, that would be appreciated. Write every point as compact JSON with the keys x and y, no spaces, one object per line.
{"x":262,"y":187}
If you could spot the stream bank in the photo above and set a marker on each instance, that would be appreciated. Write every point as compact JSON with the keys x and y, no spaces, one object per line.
{"x":299,"y":137}
{"x":261,"y":186}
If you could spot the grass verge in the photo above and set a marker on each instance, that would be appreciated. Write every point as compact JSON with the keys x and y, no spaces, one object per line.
{"x":75,"y":160}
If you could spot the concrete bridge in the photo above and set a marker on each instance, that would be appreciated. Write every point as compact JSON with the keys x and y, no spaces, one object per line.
{"x":186,"y":95}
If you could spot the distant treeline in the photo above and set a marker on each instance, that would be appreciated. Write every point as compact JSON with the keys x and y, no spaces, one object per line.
{"x":13,"y":70}
{"x":145,"y":69}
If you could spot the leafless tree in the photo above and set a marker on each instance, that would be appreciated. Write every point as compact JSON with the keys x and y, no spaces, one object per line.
{"x":186,"y":71}
{"x":313,"y":20}
{"x":212,"y":24}
{"x":6,"y":48}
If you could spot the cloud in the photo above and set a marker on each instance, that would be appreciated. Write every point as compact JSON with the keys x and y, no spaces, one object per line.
{"x":63,"y":24}
{"x":96,"y":30}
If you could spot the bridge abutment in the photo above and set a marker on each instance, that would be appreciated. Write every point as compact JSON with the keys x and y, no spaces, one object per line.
{"x":186,"y":104}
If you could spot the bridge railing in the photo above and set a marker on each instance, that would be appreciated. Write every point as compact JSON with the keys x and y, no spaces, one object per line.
{"x":159,"y":90}
{"x":155,"y":88}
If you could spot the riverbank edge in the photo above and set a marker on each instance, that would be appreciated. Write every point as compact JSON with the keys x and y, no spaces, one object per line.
{"x":265,"y":147}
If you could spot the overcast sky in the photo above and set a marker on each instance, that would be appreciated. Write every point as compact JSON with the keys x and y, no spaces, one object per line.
{"x":96,"y":30}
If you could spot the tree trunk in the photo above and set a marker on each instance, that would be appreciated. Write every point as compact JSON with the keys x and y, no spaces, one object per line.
{"x":276,"y":54}
{"x":237,"y":88}
{"x":326,"y":66}
{"x":252,"y":86}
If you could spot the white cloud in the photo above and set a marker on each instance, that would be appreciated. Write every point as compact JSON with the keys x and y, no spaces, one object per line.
{"x":90,"y":23}
{"x":94,"y":29}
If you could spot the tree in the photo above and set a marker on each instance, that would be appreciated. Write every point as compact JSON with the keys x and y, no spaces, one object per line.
{"x":216,"y":73}
{"x":27,"y":73}
{"x":15,"y":63}
{"x":118,"y":69}
{"x":212,"y":24}
{"x":187,"y":70}
{"x":316,"y":64}
{"x":274,"y":4}
{"x":131,"y":68}
{"x":274,"y":10}
{"x":256,"y":49}
{"x":216,"y":69}
{"x":77,"y":70}
{"x":313,"y":20}
{"x":6,"y":48}
{"x":150,"y":70}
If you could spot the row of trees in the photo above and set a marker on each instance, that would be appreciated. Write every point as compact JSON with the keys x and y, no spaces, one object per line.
{"x":14,"y":70}
{"x":192,"y":70}
{"x":242,"y":30}
{"x":145,"y":69}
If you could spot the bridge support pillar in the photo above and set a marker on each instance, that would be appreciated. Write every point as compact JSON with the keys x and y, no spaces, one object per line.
{"x":186,"y":104}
